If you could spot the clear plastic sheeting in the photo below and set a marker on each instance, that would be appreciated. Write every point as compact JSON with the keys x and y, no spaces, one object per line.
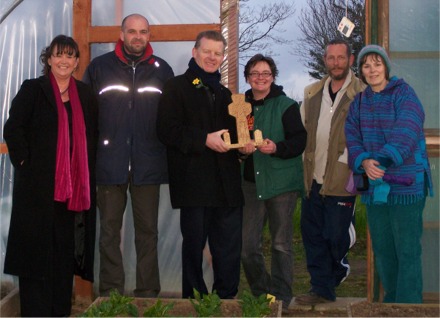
{"x":414,"y":45}
{"x":158,"y":12}
{"x":27,"y":27}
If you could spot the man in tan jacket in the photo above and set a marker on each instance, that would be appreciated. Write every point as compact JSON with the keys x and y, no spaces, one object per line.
{"x":327,"y":214}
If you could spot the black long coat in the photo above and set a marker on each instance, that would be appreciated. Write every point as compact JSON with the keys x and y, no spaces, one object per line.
{"x":198,"y":176}
{"x":31,"y":133}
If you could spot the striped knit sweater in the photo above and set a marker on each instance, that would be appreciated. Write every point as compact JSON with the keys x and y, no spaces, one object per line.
{"x":388,"y":127}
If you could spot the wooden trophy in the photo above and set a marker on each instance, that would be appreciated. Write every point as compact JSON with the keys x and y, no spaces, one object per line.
{"x":239,"y":109}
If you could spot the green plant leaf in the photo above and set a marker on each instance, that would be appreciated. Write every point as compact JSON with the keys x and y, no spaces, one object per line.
{"x":252,"y":306}
{"x":116,"y":305}
{"x":158,"y":309}
{"x":206,"y":305}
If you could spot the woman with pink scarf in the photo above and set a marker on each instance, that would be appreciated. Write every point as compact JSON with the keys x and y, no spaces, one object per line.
{"x":51,"y":136}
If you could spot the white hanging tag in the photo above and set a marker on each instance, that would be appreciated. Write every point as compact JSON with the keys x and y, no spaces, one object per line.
{"x":346,"y":26}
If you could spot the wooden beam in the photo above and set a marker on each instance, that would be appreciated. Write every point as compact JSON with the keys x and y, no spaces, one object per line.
{"x":159,"y":33}
{"x":368,"y":18}
{"x":435,"y":55}
{"x":3,"y":148}
{"x":432,"y":136}
{"x":83,"y":291}
{"x":383,"y":28}
{"x":81,"y":20}
{"x":229,"y":18}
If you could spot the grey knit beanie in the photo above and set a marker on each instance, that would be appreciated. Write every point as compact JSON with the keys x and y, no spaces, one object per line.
{"x":372,"y":48}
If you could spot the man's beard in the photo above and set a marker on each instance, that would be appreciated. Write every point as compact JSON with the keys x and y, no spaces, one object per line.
{"x":342,"y":76}
{"x":135,"y":49}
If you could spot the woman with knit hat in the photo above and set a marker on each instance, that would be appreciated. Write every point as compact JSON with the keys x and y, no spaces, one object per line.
{"x":385,"y":139}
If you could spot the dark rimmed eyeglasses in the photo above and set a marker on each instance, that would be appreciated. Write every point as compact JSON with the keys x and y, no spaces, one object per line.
{"x":257,"y":74}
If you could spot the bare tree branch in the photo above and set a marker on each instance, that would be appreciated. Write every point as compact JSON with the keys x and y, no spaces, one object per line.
{"x":260,"y":28}
{"x":318,"y":24}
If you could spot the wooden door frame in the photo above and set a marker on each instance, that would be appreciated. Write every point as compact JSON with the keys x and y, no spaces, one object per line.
{"x":86,"y":34}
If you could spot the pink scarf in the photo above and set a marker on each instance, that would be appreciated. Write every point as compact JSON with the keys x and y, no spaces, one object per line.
{"x":71,"y":173}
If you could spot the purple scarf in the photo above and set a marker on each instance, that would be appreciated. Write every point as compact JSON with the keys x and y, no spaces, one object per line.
{"x":71,"y":173}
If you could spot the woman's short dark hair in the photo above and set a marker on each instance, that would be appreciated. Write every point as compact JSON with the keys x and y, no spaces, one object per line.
{"x":62,"y":44}
{"x":260,"y":58}
{"x":375,"y":57}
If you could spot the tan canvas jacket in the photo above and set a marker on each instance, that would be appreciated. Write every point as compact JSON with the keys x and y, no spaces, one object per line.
{"x":336,"y":172}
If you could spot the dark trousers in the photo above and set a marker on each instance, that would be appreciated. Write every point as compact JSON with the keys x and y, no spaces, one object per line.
{"x":51,"y":295}
{"x":221,"y":227}
{"x":112,"y":201}
{"x":327,"y":228}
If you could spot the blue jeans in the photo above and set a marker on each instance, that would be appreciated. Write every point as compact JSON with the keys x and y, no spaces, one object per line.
{"x":278,"y":211}
{"x":327,"y":228}
{"x":396,"y":231}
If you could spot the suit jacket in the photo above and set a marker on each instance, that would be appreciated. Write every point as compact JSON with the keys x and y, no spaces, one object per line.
{"x":198,"y":176}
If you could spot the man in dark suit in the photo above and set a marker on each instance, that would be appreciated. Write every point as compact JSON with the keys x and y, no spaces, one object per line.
{"x":204,"y":175}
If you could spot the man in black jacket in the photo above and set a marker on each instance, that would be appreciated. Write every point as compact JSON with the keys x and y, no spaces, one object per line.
{"x":128,"y":82}
{"x":205,"y":181}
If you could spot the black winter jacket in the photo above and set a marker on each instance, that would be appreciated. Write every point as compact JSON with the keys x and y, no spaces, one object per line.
{"x":128,"y":95}
{"x":199,"y":176}
{"x":31,"y":133}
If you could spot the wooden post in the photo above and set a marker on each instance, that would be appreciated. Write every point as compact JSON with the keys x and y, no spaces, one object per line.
{"x":229,"y":21}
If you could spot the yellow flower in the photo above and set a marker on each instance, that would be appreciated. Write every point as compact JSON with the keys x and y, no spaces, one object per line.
{"x":197,"y":82}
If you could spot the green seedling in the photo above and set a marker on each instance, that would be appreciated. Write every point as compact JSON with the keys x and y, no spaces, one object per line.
{"x":206,"y":305}
{"x":158,"y":309}
{"x":116,"y":305}
{"x":252,"y":306}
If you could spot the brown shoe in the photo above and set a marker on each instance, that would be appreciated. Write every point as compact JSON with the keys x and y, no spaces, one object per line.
{"x":311,"y":298}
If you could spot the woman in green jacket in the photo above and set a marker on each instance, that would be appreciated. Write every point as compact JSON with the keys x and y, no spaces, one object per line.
{"x":273,"y":180}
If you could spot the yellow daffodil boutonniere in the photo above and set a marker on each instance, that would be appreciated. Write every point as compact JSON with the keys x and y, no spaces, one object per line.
{"x":198,"y":82}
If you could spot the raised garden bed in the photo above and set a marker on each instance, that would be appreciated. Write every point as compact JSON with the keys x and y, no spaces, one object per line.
{"x":184,"y":308}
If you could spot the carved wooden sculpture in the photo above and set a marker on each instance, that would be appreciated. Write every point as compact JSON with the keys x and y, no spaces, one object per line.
{"x":239,"y":109}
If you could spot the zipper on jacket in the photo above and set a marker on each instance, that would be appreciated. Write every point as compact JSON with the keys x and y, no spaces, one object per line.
{"x":133,"y":66}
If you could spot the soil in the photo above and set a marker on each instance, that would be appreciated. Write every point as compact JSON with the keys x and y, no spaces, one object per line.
{"x":367,"y":309}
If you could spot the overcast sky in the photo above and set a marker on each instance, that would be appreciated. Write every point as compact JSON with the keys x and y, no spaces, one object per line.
{"x":292,"y":74}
